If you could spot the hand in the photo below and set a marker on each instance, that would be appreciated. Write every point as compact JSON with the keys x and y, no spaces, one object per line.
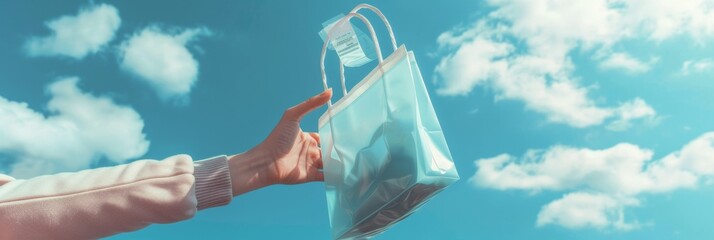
{"x":287,"y":156}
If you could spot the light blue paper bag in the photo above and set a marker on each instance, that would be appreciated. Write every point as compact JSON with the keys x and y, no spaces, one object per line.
{"x":383,"y":149}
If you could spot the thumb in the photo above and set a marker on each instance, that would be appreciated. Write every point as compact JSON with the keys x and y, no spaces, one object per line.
{"x":298,"y":111}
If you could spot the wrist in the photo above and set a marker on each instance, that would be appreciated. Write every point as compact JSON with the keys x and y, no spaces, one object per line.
{"x":248,"y":171}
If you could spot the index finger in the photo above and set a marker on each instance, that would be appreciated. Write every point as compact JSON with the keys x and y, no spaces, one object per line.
{"x":298,"y":111}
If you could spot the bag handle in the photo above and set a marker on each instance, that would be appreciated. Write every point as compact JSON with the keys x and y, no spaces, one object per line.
{"x":389,"y":29}
{"x":345,"y":20}
{"x":381,"y":16}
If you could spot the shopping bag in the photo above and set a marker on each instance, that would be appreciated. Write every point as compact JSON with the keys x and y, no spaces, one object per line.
{"x":383,"y":150}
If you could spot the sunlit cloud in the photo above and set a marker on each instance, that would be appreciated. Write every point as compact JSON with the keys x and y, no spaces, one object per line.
{"x":79,"y":130}
{"x":522,"y":51}
{"x":79,"y":35}
{"x":627,"y":63}
{"x":161,"y":59}
{"x":598,"y":183}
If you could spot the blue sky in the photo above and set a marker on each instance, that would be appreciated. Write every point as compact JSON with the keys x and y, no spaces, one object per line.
{"x":566,"y":119}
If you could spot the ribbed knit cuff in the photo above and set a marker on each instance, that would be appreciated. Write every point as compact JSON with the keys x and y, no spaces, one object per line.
{"x":213,"y":182}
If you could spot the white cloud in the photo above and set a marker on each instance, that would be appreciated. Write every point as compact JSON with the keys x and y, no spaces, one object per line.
{"x":602,"y":182}
{"x":696,"y":157}
{"x":161,"y":59}
{"x":522,"y":50}
{"x":662,"y":19}
{"x":618,"y":170}
{"x":80,"y":129}
{"x":625,"y":62}
{"x":543,"y":83}
{"x":77,"y":36}
{"x":473,"y":64}
{"x":588,"y":210}
{"x":631,"y":111}
{"x":697,"y":66}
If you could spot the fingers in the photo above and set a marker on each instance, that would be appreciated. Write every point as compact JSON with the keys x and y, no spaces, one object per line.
{"x":319,"y":163}
{"x":318,"y":174}
{"x":315,"y":136}
{"x":298,"y":111}
{"x":314,"y":153}
{"x":315,"y":172}
{"x":316,"y":150}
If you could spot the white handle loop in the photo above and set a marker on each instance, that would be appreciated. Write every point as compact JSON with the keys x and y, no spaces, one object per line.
{"x":330,"y":33}
{"x":341,"y":22}
{"x":389,"y":29}
{"x":384,"y":19}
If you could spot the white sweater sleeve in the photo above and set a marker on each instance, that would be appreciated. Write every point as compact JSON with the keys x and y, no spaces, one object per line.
{"x":100,"y":202}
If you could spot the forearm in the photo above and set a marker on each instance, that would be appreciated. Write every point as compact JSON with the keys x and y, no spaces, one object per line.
{"x":248,"y":171}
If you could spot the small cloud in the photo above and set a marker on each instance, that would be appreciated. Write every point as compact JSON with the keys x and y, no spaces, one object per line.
{"x":625,"y":62}
{"x":697,"y":66}
{"x":80,"y":129}
{"x":161,"y":58}
{"x":77,"y":36}
{"x":588,"y":210}
{"x":632,"y":110}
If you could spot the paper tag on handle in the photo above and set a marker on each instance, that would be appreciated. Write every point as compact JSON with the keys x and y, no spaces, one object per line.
{"x":353,"y":46}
